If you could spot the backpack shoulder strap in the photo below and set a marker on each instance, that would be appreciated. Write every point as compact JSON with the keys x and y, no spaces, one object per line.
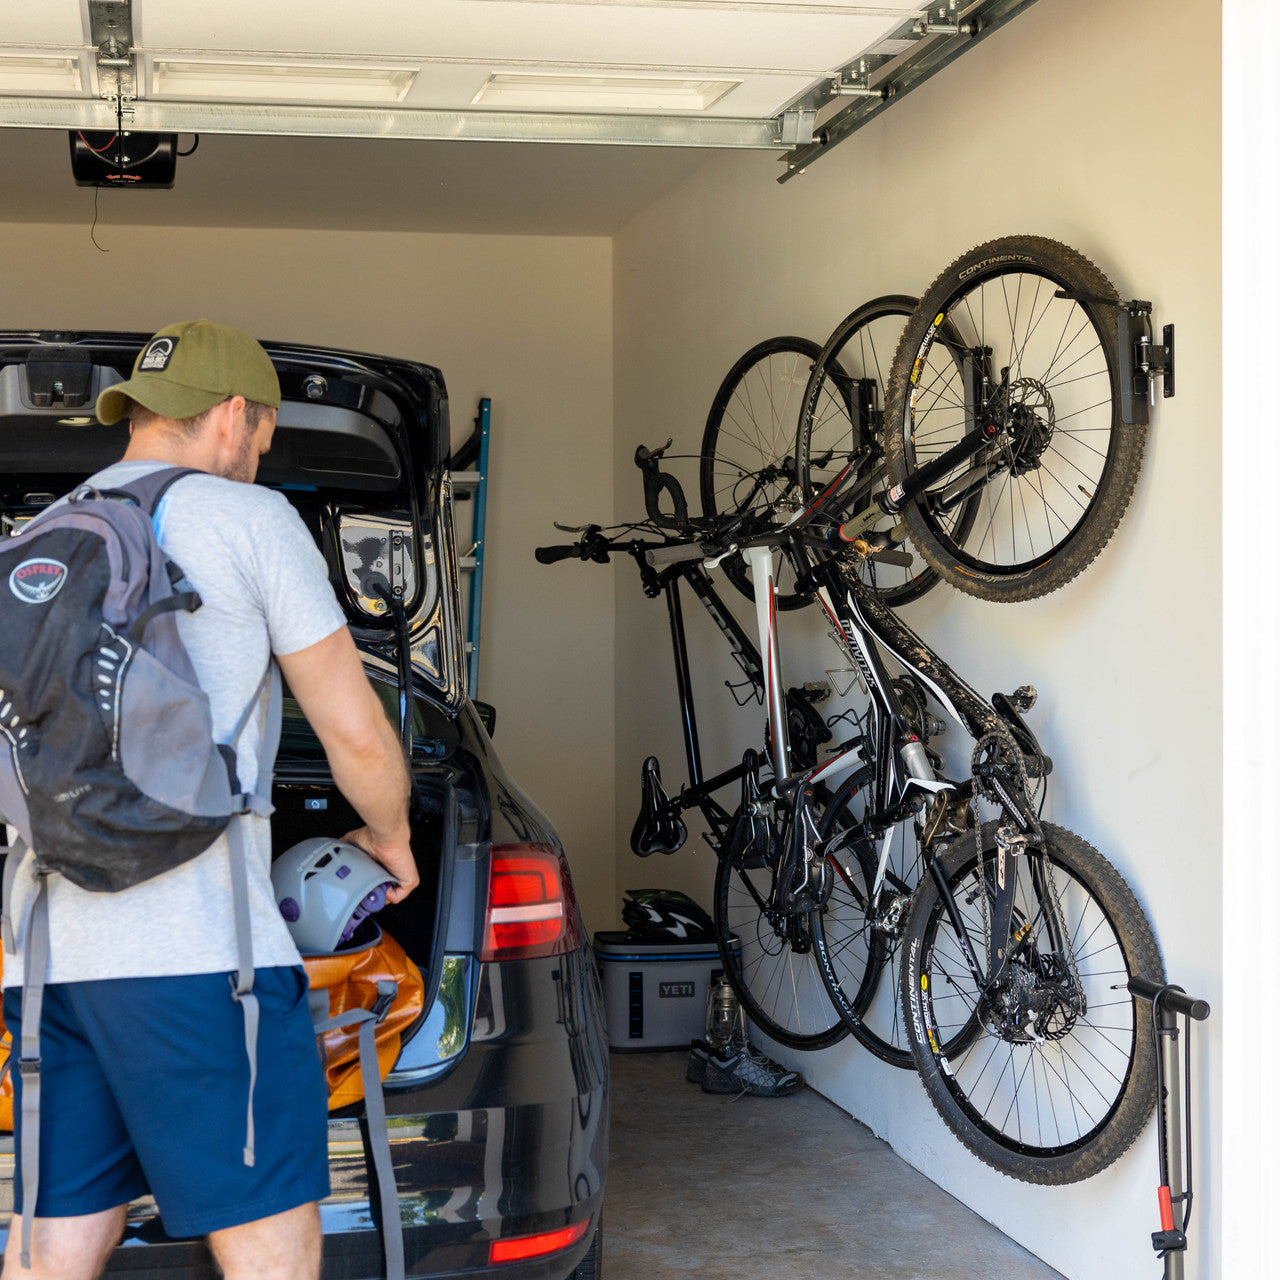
{"x":148,"y":490}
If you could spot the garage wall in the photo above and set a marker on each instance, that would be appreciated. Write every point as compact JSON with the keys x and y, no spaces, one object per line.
{"x":524,"y":320}
{"x":1030,"y":132}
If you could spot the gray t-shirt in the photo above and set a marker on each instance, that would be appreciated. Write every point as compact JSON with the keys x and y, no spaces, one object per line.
{"x":265,"y":590}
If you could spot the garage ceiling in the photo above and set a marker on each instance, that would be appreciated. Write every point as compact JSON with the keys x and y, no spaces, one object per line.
{"x":731,"y":73}
{"x":791,"y":76}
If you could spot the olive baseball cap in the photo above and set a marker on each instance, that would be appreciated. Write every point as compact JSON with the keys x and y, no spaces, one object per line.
{"x":189,"y":367}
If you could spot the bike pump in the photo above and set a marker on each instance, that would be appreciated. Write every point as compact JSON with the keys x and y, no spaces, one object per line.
{"x":1167,"y":1002}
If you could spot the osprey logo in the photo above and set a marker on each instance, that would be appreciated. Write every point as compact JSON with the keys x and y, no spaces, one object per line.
{"x":157,"y":355}
{"x":37,"y":581}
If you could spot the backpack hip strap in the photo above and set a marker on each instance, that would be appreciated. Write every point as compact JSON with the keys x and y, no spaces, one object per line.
{"x":242,"y":979}
{"x":379,"y":1140}
{"x":17,"y":851}
{"x":35,"y":965}
{"x":256,"y":802}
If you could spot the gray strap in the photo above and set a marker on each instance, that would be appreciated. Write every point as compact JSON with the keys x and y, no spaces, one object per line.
{"x":376,"y":1113}
{"x":259,"y":800}
{"x":242,"y":980}
{"x":17,"y":851}
{"x":35,"y":966}
{"x":249,"y":706}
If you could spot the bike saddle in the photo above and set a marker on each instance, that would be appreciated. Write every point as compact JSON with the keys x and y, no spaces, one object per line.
{"x":750,"y":842}
{"x":659,"y":827}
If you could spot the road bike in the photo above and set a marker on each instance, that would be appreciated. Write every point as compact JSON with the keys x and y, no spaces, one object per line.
{"x":1009,"y":941}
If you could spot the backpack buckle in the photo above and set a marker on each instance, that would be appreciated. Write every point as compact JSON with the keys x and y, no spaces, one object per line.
{"x":29,"y":1067}
{"x":386,"y":997}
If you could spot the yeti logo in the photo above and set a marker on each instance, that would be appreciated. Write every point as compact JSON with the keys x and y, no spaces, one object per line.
{"x":37,"y":581}
{"x":156,"y":357}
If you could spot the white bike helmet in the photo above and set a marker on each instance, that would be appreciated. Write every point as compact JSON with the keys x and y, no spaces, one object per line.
{"x":324,"y":888}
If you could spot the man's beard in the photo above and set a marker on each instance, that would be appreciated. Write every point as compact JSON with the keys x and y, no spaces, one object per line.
{"x":243,"y":466}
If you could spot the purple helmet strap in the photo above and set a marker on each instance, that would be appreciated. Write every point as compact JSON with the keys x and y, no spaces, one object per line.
{"x":371,"y":902}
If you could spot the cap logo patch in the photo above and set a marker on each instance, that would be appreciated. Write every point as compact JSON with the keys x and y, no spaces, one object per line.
{"x":156,"y":356}
{"x":37,"y":581}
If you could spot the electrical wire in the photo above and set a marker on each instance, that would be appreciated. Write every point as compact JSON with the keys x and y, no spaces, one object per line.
{"x":194,"y":145}
{"x":97,"y":151}
{"x":94,"y":227}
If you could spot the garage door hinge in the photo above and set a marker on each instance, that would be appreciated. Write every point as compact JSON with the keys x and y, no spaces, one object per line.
{"x":111,"y":32}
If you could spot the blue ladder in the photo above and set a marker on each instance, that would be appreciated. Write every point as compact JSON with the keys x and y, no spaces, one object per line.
{"x":473,"y":562}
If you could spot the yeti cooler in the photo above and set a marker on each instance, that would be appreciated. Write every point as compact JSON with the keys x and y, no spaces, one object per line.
{"x":655,"y":995}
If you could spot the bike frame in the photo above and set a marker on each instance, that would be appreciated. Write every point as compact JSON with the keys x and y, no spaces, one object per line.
{"x":862,"y":625}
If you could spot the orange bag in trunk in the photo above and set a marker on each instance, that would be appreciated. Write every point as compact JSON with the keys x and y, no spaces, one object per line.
{"x":6,"y":1085}
{"x":350,"y":978}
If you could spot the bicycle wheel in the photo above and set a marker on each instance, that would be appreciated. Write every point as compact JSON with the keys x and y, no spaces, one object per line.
{"x":994,"y":348}
{"x":858,"y":938}
{"x":769,"y":961}
{"x":842,"y":423}
{"x":748,"y":459}
{"x":1062,"y":1078}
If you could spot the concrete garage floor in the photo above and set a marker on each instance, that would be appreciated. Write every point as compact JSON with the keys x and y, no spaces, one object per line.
{"x":708,"y":1186}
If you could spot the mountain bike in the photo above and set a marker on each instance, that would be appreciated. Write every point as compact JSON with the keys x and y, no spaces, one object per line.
{"x":1010,"y":941}
{"x":1003,"y":450}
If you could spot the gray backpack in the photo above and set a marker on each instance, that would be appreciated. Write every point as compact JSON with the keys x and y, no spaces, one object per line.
{"x":108,"y":766}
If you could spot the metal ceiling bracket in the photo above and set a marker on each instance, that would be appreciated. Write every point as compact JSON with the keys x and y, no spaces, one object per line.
{"x":941,"y":19}
{"x":797,"y":128}
{"x":111,"y":33}
{"x":945,"y":30}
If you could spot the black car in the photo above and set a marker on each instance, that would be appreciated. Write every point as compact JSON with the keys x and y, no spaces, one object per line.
{"x":498,"y":1103}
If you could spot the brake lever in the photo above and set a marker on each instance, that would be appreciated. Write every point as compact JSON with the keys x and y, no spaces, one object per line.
{"x":714,"y":562}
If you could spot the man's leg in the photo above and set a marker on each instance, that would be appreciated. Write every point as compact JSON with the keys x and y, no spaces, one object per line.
{"x":285,"y":1246}
{"x":65,"y":1248}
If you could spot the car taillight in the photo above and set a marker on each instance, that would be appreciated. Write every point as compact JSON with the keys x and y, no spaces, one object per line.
{"x":531,"y":906}
{"x":516,"y":1248}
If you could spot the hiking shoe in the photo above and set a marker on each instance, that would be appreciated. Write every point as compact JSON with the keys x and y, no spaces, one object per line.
{"x":696,"y":1071}
{"x":740,"y":1070}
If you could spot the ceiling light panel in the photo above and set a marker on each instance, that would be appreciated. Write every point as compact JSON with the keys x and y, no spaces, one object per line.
{"x":766,"y":34}
{"x":26,"y":73}
{"x":200,"y":80}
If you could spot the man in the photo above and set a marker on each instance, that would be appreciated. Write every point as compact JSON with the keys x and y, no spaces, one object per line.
{"x":145,"y":1075}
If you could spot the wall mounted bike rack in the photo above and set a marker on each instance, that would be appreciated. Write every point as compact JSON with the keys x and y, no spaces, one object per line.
{"x":1142,"y":361}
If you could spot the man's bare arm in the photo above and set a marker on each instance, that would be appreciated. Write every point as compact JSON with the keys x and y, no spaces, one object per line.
{"x":363,"y":749}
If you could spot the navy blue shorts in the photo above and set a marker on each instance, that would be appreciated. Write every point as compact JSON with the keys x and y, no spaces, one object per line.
{"x":145,"y":1087}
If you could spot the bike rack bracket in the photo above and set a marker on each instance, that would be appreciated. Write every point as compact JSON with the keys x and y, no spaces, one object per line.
{"x":1141,"y":361}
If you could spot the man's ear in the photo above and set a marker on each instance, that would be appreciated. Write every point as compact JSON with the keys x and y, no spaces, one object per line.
{"x":224,"y":421}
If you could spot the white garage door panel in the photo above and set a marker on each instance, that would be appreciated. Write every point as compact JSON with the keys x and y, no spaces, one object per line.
{"x":46,"y":23}
{"x":450,"y":86}
{"x":596,"y":34}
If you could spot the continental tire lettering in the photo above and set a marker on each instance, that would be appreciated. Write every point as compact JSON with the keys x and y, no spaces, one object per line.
{"x":917,"y":1013}
{"x":992,"y":262}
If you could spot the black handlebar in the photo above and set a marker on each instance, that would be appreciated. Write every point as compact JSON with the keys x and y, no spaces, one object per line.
{"x":550,"y":555}
{"x":1171,"y":997}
